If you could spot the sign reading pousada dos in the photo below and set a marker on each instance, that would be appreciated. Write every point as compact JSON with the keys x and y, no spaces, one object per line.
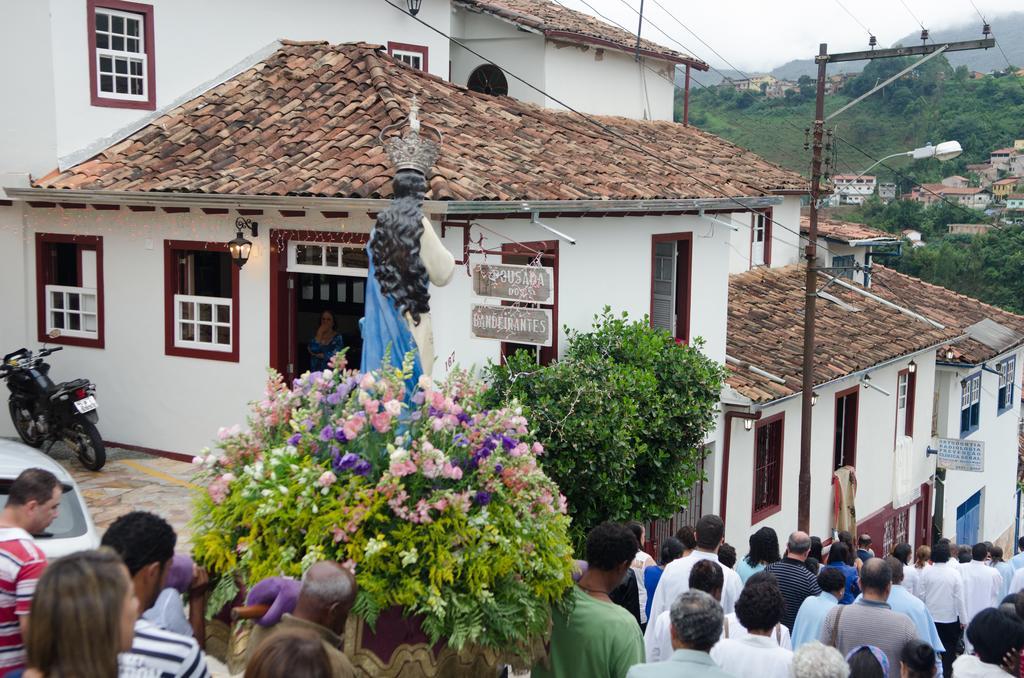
{"x":512,"y":324}
{"x":511,"y":282}
{"x":962,"y":455}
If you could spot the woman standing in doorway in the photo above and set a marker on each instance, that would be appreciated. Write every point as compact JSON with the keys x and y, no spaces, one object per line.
{"x":325,"y":343}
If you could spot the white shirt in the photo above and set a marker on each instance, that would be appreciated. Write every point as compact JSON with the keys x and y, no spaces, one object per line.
{"x":1018,"y":581}
{"x":942,"y":590}
{"x":982,"y":586}
{"x":658,"y":637}
{"x":753,"y":656}
{"x":732,"y":628}
{"x":676,"y":579}
{"x":640,"y":561}
{"x":911,"y":577}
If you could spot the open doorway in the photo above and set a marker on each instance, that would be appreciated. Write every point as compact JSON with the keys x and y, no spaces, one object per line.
{"x":313,"y":272}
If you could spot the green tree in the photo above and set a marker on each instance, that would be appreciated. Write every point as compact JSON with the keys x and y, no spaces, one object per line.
{"x":622,"y":416}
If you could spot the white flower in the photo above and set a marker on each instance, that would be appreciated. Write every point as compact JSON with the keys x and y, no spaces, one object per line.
{"x":265,"y":493}
{"x":409,"y":557}
{"x":393,"y":407}
{"x":425,"y":382}
{"x":282,"y":489}
{"x":375,"y":546}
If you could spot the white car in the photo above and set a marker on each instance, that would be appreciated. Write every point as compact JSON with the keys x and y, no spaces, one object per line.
{"x":73,"y":529}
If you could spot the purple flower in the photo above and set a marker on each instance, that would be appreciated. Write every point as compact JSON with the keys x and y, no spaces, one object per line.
{"x":463,"y":417}
{"x":346,"y":462}
{"x":460,"y":440}
{"x":361,"y":468}
{"x":509,"y":443}
{"x":498,"y":468}
{"x":326,"y":433}
{"x":339,"y":435}
{"x":334,"y":398}
{"x":482,"y":498}
{"x":294,"y":440}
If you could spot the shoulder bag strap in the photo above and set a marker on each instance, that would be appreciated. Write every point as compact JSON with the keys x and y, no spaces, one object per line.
{"x":725,"y":627}
{"x":835,"y":626}
{"x":778,"y":634}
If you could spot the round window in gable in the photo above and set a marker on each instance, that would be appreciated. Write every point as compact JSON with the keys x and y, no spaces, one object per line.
{"x":488,"y":79}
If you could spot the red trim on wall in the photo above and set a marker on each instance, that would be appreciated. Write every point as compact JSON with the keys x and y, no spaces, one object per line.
{"x":334,"y":215}
{"x":142,"y":208}
{"x":148,"y":36}
{"x":726,"y":447}
{"x":278,"y":261}
{"x":6,"y":203}
{"x":757,"y":516}
{"x":422,"y":50}
{"x":768,"y":232}
{"x":72,"y":205}
{"x":176,"y":456}
{"x":176,"y":210}
{"x":856,"y":421}
{"x":38,"y":203}
{"x":292,"y":213}
{"x":682,"y":315}
{"x":549,"y":255}
{"x":215,"y":210}
{"x":911,"y":402}
{"x":43,"y":278}
{"x":917,"y":532}
{"x":170,"y":285}
{"x":249,"y":212}
{"x":103,"y":208}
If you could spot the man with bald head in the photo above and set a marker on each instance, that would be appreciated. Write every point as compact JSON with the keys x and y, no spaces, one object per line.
{"x":325,"y":599}
{"x":795,"y":581}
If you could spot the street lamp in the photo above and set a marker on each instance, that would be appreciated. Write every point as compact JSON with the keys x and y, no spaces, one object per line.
{"x":947,"y":150}
{"x":414,"y":6}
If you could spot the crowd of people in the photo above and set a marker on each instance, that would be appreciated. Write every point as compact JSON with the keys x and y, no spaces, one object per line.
{"x":813,"y":610}
{"x":120,"y":610}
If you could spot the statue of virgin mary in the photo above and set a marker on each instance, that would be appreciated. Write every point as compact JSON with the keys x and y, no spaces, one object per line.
{"x":406,"y":256}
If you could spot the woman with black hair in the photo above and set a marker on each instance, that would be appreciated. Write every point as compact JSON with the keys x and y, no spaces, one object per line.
{"x":759,"y":653}
{"x":764,"y":550}
{"x":917,"y":660}
{"x":839,"y":557}
{"x":995,"y":636}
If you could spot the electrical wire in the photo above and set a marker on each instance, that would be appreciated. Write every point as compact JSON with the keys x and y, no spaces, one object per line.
{"x":911,"y":13}
{"x":866,"y":29}
{"x":1009,"y":65}
{"x":605,"y":128}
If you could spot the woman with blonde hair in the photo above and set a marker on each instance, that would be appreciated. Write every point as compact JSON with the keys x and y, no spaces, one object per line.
{"x":83,"y":615}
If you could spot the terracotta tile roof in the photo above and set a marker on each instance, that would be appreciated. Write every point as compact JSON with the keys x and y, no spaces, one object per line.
{"x":306,"y":120}
{"x":845,"y":231}
{"x":952,"y":309}
{"x":765,"y":330}
{"x":556,"y":21}
{"x":943,"y":189}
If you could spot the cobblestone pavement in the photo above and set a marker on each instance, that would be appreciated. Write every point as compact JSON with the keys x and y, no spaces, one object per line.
{"x":133,"y":481}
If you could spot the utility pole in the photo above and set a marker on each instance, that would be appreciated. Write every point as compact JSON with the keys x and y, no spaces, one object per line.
{"x":811,"y":251}
{"x":640,"y":28}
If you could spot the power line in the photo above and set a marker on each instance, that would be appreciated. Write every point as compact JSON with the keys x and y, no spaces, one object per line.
{"x":911,"y":13}
{"x":987,"y":29}
{"x":866,"y":29}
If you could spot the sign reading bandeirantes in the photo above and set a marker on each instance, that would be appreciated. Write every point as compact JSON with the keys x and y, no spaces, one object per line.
{"x":512,"y":324}
{"x":962,"y":455}
{"x":511,"y":282}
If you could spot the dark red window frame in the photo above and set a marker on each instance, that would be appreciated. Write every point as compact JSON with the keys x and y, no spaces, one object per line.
{"x":146,"y":11}
{"x":43,"y":278}
{"x":422,"y":50}
{"x":767,"y":213}
{"x":171,"y":284}
{"x":908,"y":429}
{"x":682,"y":329}
{"x":548,"y":257}
{"x":771,"y":431}
{"x":849,"y":432}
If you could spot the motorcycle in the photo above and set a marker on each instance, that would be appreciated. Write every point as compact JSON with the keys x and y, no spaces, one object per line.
{"x":46,"y":412}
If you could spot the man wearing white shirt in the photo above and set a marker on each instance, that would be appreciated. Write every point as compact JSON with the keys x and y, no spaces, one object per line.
{"x":982,"y":584}
{"x":942,"y":591}
{"x":676,"y":578}
{"x":759,"y":610}
{"x":705,"y":576}
{"x":1018,"y":560}
{"x":905,"y":554}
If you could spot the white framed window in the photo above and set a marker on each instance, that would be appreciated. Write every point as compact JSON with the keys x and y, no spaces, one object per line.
{"x":970,"y":404}
{"x":202,"y":322}
{"x":74,"y":311}
{"x":413,"y":55}
{"x":122,"y":63}
{"x":330,"y":258}
{"x":1007,"y":370}
{"x":414,"y":59}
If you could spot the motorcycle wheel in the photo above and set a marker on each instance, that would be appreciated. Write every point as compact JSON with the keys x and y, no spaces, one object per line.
{"x":25,"y":425}
{"x":86,"y":441}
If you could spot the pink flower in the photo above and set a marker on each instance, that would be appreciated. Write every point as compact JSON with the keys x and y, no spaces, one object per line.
{"x":538,"y":448}
{"x":381,"y":422}
{"x":367,"y":381}
{"x":402,"y":468}
{"x":326,"y":479}
{"x":393,"y":407}
{"x":339,"y":535}
{"x":519,"y":450}
{"x":451,"y":472}
{"x":218,"y":490}
{"x":371,"y":406}
{"x":425,"y":382}
{"x":441,"y":504}
{"x":431,"y":469}
{"x":356,"y":423}
{"x":437,"y":399}
{"x":437,"y":423}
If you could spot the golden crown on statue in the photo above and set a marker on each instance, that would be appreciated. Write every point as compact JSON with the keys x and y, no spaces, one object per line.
{"x":412,"y":151}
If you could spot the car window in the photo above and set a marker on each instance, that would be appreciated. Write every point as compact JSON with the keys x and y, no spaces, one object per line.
{"x":70,"y":520}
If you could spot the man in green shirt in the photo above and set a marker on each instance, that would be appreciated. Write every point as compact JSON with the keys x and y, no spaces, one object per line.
{"x":597,"y":639}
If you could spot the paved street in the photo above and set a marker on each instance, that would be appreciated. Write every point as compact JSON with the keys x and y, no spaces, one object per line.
{"x":133,"y":481}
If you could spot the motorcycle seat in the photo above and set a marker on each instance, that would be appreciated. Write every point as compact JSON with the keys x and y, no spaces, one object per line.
{"x":66,"y":386}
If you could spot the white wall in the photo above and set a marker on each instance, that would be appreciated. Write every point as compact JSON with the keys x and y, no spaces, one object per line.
{"x":177,"y":404}
{"x":999,"y":431}
{"x":27,"y":119}
{"x":519,"y":51}
{"x":197,"y":40}
{"x":875,"y":446}
{"x":787,"y":247}
{"x":608,"y":82}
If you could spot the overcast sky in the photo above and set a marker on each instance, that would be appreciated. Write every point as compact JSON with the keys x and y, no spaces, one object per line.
{"x":758,"y":35}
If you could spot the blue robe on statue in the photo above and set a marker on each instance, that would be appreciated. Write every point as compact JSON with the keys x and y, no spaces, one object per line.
{"x":383,"y":329}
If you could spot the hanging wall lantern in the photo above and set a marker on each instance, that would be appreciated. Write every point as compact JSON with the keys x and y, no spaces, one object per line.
{"x":239,"y":247}
{"x":414,"y":6}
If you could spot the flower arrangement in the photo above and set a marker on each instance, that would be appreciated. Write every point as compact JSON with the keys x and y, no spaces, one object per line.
{"x":437,"y":504}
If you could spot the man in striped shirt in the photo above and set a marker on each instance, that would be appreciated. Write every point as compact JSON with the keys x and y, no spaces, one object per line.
{"x":146,"y":544}
{"x":32,"y":504}
{"x":795,"y":581}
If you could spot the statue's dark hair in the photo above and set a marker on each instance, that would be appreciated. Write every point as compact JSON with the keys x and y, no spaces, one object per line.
{"x":396,"y":246}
